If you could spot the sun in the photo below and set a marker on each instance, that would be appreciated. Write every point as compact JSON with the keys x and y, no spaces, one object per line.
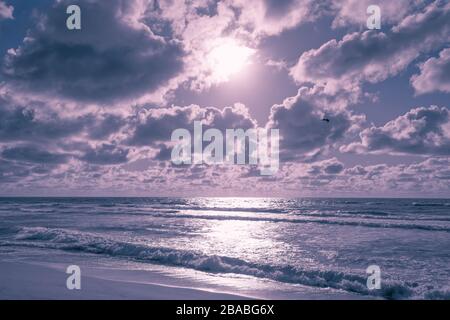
{"x":227,"y":57}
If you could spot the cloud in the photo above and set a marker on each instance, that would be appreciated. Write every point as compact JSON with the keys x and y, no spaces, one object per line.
{"x":166,"y":45}
{"x":354,"y":12}
{"x":325,"y":167}
{"x":34,"y":154}
{"x":45,"y":146}
{"x":429,"y":177}
{"x":22,"y":124}
{"x":39,"y":123}
{"x":37,"y":134}
{"x":155,"y":126}
{"x":6,"y":11}
{"x":81,"y":164}
{"x":9,"y":172}
{"x":203,"y":26}
{"x":103,"y":138}
{"x":373,"y":56}
{"x":434,"y":75}
{"x":106,"y":154}
{"x":421,"y":131}
{"x":334,"y":168}
{"x":271,"y":17}
{"x":94,"y":64}
{"x":331,"y":176}
{"x":302,"y":128}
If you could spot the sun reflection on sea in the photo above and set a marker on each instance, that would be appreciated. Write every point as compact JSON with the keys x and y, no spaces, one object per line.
{"x":251,"y":240}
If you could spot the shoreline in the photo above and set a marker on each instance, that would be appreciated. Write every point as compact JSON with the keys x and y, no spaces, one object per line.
{"x":28,"y":278}
{"x":28,"y":281}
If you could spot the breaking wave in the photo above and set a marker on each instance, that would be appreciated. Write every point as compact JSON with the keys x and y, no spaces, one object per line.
{"x":41,"y":237}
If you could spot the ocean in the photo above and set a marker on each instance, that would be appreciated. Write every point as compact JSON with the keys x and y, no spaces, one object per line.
{"x":321,"y":244}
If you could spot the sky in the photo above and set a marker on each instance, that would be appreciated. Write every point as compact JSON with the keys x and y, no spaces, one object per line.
{"x":91,"y":112}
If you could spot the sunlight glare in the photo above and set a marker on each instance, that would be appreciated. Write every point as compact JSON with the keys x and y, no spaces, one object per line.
{"x":227,"y":58}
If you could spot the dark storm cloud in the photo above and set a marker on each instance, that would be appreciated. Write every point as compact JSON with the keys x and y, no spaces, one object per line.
{"x":422,"y":131}
{"x":113,"y":57}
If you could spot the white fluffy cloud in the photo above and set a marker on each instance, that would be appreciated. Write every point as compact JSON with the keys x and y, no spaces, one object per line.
{"x":271,"y":17}
{"x":354,"y":12}
{"x":434,"y":75}
{"x":6,"y":11}
{"x":421,"y":131}
{"x":373,"y":56}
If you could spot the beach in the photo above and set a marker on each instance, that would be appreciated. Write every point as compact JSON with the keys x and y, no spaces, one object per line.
{"x":20,"y":280}
{"x":27,"y":281}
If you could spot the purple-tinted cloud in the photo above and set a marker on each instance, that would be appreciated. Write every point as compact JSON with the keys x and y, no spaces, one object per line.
{"x":302,"y":125}
{"x":156,"y":125}
{"x":6,"y":11}
{"x":354,"y":12}
{"x":40,"y":124}
{"x":93,"y":64}
{"x":106,"y":154}
{"x":34,"y":154}
{"x":271,"y":17}
{"x":434,"y":75}
{"x":421,"y":131}
{"x":373,"y":56}
{"x":49,"y":144}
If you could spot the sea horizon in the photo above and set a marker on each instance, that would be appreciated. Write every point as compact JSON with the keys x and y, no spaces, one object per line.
{"x":250,"y":197}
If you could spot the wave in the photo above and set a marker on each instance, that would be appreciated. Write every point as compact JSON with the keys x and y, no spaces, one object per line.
{"x":237,"y":209}
{"x":422,"y":204}
{"x":367,"y":212}
{"x":85,"y":242}
{"x":318,"y":221}
{"x":374,"y":215}
{"x":438,"y":295}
